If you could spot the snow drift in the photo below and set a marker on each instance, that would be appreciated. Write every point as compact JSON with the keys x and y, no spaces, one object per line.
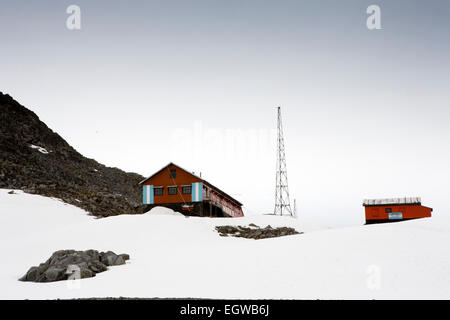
{"x":174,"y":256}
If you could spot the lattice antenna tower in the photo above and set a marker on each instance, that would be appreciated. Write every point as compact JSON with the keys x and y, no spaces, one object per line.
{"x":282,"y":202}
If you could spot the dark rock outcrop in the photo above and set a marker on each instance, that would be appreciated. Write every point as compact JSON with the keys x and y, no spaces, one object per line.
{"x":255,"y":232}
{"x":71,"y":264}
{"x":37,"y":160}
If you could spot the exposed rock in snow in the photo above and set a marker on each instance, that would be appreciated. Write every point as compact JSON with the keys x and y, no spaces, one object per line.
{"x":71,"y":264}
{"x":255,"y":232}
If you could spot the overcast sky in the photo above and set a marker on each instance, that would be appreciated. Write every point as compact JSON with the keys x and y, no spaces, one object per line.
{"x":143,"y":83}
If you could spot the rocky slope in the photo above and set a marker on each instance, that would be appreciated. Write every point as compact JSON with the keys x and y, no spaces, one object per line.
{"x":37,"y":160}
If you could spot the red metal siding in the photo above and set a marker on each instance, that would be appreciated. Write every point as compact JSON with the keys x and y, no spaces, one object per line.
{"x":408,"y":211}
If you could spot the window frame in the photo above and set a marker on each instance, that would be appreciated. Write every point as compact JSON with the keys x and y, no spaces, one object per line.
{"x":158,"y":188}
{"x":172,"y":187}
{"x":186,"y":186}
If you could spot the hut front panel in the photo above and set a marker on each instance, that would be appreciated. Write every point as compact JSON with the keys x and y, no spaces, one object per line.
{"x":396,"y":212}
{"x":164,"y":179}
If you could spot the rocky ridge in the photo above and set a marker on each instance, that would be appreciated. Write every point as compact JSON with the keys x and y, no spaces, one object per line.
{"x":37,"y":160}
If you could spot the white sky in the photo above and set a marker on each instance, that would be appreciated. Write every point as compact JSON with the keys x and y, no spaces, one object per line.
{"x":365,"y":113}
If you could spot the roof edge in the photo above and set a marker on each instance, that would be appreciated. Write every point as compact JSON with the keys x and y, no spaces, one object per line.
{"x":170,"y":163}
{"x":392,"y":201}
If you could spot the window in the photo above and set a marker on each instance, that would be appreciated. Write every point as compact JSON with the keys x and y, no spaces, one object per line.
{"x":173,"y":173}
{"x":388,"y":210}
{"x":186,"y":189}
{"x":172,"y":190}
{"x":158,"y":191}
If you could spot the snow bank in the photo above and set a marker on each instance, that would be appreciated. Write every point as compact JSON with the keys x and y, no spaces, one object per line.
{"x":164,"y":212}
{"x":173,"y":257}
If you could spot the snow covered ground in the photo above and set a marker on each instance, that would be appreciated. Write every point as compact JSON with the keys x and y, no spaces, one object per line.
{"x":174,"y":256}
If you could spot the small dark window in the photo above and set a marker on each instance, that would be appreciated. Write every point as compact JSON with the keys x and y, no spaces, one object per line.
{"x":388,"y":210}
{"x":186,"y":189}
{"x":172,"y":190}
{"x":173,"y":173}
{"x":158,"y":191}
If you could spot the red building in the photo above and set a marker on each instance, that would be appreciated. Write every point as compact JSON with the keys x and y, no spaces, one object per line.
{"x":183,"y":191}
{"x":397,"y":209}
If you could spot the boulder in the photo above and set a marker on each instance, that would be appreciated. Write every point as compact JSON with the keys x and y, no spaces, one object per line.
{"x":125,"y":256}
{"x":109,"y":258}
{"x":31,"y":275}
{"x":71,"y":264}
{"x":54,"y":273}
{"x":86,"y":273}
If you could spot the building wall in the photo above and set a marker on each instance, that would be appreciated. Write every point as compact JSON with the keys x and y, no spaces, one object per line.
{"x":397,"y":212}
{"x":184,"y":178}
{"x":163,"y":179}
{"x":229,"y":206}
